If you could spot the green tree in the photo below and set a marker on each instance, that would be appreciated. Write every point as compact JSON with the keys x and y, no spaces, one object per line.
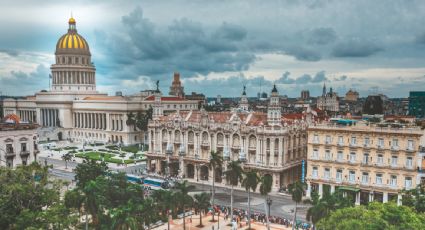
{"x":183,"y":198}
{"x":202,"y":202}
{"x":233,"y":177}
{"x":376,"y":215}
{"x":296,"y":190}
{"x":415,"y":198}
{"x":74,"y":199}
{"x":322,"y":207}
{"x":215,"y":161}
{"x":66,"y":157}
{"x":89,"y":170}
{"x":250,"y":182}
{"x":265,"y":189}
{"x":140,"y":120}
{"x":165,"y":202}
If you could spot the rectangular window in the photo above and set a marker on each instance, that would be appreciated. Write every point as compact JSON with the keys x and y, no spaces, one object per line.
{"x":352,"y":176}
{"x":410,"y":145}
{"x":353,"y":140}
{"x":393,"y":181}
{"x":23,"y":147}
{"x":380,"y":143}
{"x":328,"y":154}
{"x":394,"y":161}
{"x":365,"y":178}
{"x":352,"y":157}
{"x":378,"y":178}
{"x":327,"y":173}
{"x":315,"y":173}
{"x":366,"y":158}
{"x":340,"y":140}
{"x":315,"y":154}
{"x":380,"y":160}
{"x":339,"y":175}
{"x":366,"y":141}
{"x":9,"y":148}
{"x":340,"y":156}
{"x":328,"y":139}
{"x":316,"y":138}
{"x":408,"y":182}
{"x":409,"y":162}
{"x":394,"y":144}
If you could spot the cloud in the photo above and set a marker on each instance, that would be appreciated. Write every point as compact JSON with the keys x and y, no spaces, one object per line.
{"x":22,"y":83}
{"x":421,"y":38}
{"x":303,"y":54}
{"x":340,"y":78}
{"x":322,"y":36}
{"x":10,"y":52}
{"x":303,"y":79}
{"x":355,"y":48}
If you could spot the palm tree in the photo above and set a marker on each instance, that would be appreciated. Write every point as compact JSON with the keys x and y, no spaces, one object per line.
{"x":123,"y":217}
{"x":202,"y":202}
{"x":265,"y":189}
{"x":215,"y":161}
{"x":183,"y":197}
{"x":66,"y":157}
{"x":233,"y":176}
{"x":297,"y":190}
{"x":165,"y":201}
{"x":317,"y":210}
{"x":250,"y":182}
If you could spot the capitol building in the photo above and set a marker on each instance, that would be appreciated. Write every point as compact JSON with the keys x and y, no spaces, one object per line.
{"x":72,"y":109}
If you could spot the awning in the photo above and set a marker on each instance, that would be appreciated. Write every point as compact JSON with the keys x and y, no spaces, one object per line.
{"x":348,"y":188}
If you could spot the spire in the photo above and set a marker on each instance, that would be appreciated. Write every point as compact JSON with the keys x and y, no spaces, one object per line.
{"x":274,"y":90}
{"x":244,"y":92}
{"x":324,"y":89}
{"x":71,"y":22}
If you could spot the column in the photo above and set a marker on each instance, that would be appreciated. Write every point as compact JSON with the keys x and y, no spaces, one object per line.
{"x":385,"y":197}
{"x":257,"y":150}
{"x":332,"y":188}
{"x":280,"y":152}
{"x":320,"y":190}
{"x":357,"y":198}
{"x":271,"y":160}
{"x":108,"y":121}
{"x":370,"y":196}
{"x":308,"y":193}
{"x":399,"y":201}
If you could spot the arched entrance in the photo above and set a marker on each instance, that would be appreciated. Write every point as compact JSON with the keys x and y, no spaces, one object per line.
{"x":190,"y":171}
{"x":218,"y":173}
{"x":60,"y":136}
{"x":204,"y":173}
{"x":174,"y":168}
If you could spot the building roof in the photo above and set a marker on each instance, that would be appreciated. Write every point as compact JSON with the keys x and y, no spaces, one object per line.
{"x":104,"y":98}
{"x":167,"y":98}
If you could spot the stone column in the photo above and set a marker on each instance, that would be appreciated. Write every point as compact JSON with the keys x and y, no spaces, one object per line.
{"x":399,"y":199}
{"x":385,"y":197}
{"x":108,"y":121}
{"x":332,"y":188}
{"x":357,"y":198}
{"x":370,"y":196}
{"x":308,"y":193}
{"x":280,"y":153}
{"x":271,"y":160}
{"x":257,"y":150}
{"x":320,"y":190}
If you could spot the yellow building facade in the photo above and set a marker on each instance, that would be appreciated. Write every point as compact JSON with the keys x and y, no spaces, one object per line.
{"x":366,"y":162}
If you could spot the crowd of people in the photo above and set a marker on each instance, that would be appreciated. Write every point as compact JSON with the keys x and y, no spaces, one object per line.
{"x":240,"y":217}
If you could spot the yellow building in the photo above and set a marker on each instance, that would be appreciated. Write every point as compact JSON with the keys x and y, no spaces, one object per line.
{"x":366,"y":162}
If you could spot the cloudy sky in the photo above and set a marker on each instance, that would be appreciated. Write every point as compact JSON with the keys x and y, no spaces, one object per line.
{"x":219,"y":46}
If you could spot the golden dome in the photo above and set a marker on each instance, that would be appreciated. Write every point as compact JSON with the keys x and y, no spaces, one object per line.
{"x":72,"y":42}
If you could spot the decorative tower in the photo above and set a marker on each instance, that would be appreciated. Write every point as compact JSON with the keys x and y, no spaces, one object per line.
{"x":176,"y":88}
{"x":73,"y":70}
{"x":324,"y":90}
{"x":274,"y":111}
{"x":243,"y":103}
{"x":157,"y":106}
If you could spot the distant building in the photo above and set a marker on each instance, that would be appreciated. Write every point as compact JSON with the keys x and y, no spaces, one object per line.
{"x":417,"y":104}
{"x":305,"y":94}
{"x":218,"y":101}
{"x":373,"y":105}
{"x":18,"y":142}
{"x":243,"y":103}
{"x":351,"y":95}
{"x":195,"y":97}
{"x":176,"y":88}
{"x":328,"y":101}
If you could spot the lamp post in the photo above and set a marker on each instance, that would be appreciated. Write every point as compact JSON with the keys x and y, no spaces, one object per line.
{"x":269,"y":203}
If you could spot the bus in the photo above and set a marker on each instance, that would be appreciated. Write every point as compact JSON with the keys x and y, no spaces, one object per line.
{"x":155,"y":184}
{"x":134,"y":179}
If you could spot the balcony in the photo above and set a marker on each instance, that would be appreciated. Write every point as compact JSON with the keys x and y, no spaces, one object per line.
{"x":409,"y":167}
{"x":365,"y":182}
{"x":315,"y":141}
{"x":410,"y":149}
{"x":314,"y":157}
{"x":10,"y":154}
{"x":340,"y":144}
{"x":353,"y":145}
{"x":395,"y":148}
{"x":24,"y":153}
{"x":366,"y":146}
{"x":328,"y":142}
{"x":380,"y":146}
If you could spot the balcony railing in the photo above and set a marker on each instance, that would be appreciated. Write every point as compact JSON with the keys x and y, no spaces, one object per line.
{"x":24,"y":153}
{"x":10,"y":154}
{"x":395,"y":148}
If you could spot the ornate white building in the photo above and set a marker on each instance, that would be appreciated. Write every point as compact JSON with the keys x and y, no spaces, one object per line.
{"x":73,"y":109}
{"x":328,"y":101}
{"x":180,"y":143}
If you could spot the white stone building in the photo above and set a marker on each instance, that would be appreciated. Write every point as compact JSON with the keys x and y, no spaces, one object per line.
{"x":180,"y":143}
{"x":18,"y":142}
{"x":72,"y":109}
{"x":328,"y":101}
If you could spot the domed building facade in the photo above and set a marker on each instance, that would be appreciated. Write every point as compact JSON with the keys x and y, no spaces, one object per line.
{"x":72,"y":108}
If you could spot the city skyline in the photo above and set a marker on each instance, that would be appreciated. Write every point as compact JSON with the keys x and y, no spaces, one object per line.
{"x":297,"y":45}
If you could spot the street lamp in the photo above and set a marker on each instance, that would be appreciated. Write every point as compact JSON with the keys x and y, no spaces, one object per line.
{"x":269,"y":203}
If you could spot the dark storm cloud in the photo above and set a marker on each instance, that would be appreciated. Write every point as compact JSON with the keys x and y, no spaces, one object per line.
{"x":355,"y":48}
{"x":304,"y":54}
{"x":421,"y":38}
{"x":182,"y":46}
{"x":341,"y":78}
{"x":10,"y":52}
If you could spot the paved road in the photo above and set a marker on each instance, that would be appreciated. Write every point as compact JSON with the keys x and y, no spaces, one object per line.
{"x":282,"y":205}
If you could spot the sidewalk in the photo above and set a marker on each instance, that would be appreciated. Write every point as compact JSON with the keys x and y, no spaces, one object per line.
{"x":193,"y":222}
